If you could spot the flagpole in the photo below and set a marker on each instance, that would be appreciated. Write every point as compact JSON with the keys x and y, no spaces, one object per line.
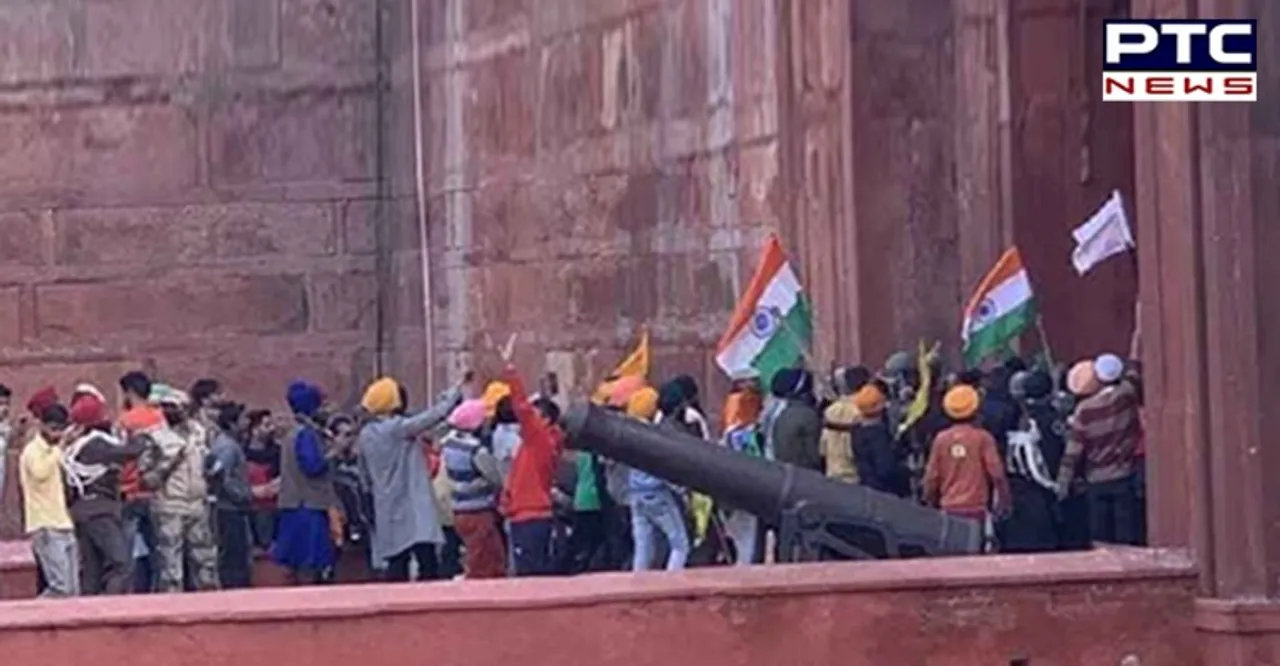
{"x":1044,"y":344}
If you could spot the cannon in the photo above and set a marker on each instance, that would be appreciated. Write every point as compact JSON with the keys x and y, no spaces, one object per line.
{"x":817,"y":518}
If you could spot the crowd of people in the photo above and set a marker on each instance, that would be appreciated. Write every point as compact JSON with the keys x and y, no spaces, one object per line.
{"x":181,"y":490}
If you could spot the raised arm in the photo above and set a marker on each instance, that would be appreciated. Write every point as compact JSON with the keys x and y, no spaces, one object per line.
{"x":534,"y":429}
{"x":409,"y":428}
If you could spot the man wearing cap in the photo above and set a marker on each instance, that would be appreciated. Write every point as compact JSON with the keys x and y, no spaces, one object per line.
{"x":1105,"y":433}
{"x":174,"y":470}
{"x":964,"y":466}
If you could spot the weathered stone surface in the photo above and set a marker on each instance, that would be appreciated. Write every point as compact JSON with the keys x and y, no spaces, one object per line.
{"x":328,"y":31}
{"x":36,"y":41}
{"x":130,"y":38}
{"x":173,"y":305}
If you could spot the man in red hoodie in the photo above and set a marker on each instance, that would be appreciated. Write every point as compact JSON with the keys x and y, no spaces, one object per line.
{"x":526,"y":497}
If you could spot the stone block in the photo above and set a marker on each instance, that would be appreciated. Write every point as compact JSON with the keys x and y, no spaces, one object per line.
{"x":252,"y":33}
{"x":359,"y":225}
{"x":104,"y":152}
{"x":344,"y":301}
{"x":320,"y":135}
{"x":332,"y":32}
{"x":1044,"y":49}
{"x":491,"y":14}
{"x":22,"y":238}
{"x":171,"y":306}
{"x":39,"y":42}
{"x":144,"y":37}
{"x":500,"y":105}
{"x":905,"y":79}
{"x":198,"y":233}
{"x":570,"y":91}
{"x":10,"y":317}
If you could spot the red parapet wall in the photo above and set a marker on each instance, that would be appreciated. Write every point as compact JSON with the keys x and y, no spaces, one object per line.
{"x":1086,"y":609}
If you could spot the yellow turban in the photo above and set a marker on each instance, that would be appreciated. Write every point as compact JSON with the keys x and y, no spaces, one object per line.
{"x":382,"y":396}
{"x":643,"y":404}
{"x":494,"y":392}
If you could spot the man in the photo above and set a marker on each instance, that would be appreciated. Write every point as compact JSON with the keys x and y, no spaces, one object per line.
{"x":964,"y":465}
{"x":476,"y":479}
{"x":138,"y":417}
{"x":838,"y":423}
{"x":526,"y":498}
{"x":174,"y":470}
{"x":792,"y":426}
{"x":1105,"y":432}
{"x":92,"y":466}
{"x":407,"y":524}
{"x":879,"y":466}
{"x":227,"y":471}
{"x":6,"y":433}
{"x":206,"y":399}
{"x":45,"y":506}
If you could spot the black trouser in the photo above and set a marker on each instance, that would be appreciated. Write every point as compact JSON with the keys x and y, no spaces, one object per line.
{"x":1073,"y":523}
{"x":424,"y":553}
{"x":106,"y":560}
{"x":235,"y":559}
{"x":1031,"y":527}
{"x":587,"y":543}
{"x":1113,"y":512}
{"x":531,"y":547}
{"x":450,"y":554}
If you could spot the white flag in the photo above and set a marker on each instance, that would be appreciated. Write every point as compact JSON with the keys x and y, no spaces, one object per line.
{"x":1104,"y":235}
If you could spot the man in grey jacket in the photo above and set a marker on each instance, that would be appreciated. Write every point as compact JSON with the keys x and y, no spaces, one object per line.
{"x":406,"y":520}
{"x":228,"y":475}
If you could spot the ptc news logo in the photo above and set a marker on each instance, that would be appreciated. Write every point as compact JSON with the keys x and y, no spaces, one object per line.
{"x":1181,"y":61}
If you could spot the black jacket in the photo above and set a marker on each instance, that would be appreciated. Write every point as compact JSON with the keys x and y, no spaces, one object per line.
{"x":880,"y":466}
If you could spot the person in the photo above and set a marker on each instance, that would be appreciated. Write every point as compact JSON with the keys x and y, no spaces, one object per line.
{"x":1105,"y":431}
{"x":207,"y":398}
{"x":48,"y":524}
{"x":303,"y":543}
{"x":351,"y":487}
{"x":838,"y":421}
{"x":91,"y":464}
{"x":1033,"y":455}
{"x":679,"y":410}
{"x":655,"y":503}
{"x":43,"y":398}
{"x":740,"y":413}
{"x":450,"y":556}
{"x":6,"y":433}
{"x":173,"y":469}
{"x":964,"y":466}
{"x":262,"y":465}
{"x":138,"y":417}
{"x":526,"y":497}
{"x":505,"y":435}
{"x":227,"y":471}
{"x":473,"y":472}
{"x":876,"y":459}
{"x":999,"y":411}
{"x":793,"y":428}
{"x":406,"y":519}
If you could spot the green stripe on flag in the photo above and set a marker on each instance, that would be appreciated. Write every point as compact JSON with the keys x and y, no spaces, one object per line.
{"x":996,"y":336}
{"x":785,"y":349}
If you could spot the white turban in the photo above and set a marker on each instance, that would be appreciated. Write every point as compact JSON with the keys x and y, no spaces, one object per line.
{"x":1108,"y":368}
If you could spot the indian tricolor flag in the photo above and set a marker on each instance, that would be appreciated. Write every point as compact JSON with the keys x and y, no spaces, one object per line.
{"x":1000,"y":310}
{"x":771,"y":327}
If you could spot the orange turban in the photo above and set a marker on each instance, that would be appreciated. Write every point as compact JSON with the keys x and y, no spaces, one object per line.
{"x":494,"y":392}
{"x":869,"y":400}
{"x":1082,"y":380}
{"x":621,"y":390}
{"x":961,"y":402}
{"x":741,"y":408}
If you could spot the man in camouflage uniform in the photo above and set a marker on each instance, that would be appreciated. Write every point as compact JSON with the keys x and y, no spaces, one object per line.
{"x":174,"y":470}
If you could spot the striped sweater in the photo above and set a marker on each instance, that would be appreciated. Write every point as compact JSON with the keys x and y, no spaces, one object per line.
{"x":1105,"y":430}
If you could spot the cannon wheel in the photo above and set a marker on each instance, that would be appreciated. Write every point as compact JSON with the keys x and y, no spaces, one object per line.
{"x":809,"y":534}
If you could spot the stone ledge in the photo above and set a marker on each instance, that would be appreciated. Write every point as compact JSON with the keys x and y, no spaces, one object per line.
{"x":1102,"y":567}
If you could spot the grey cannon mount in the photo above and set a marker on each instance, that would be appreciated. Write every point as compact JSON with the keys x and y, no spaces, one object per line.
{"x":817,"y":518}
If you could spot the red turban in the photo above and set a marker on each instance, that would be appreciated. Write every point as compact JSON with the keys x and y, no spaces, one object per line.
{"x":88,"y":410}
{"x":42,"y":400}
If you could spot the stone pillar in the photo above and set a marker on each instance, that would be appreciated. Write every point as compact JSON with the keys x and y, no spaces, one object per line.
{"x":1207,"y":177}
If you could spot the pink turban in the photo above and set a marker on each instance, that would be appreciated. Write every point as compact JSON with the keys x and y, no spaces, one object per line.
{"x":469,"y":416}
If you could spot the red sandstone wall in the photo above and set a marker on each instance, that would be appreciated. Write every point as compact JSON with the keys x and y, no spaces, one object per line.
{"x":1068,"y":610}
{"x":188,"y":186}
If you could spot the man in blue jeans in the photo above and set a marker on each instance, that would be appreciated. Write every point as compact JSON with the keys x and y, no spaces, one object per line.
{"x":655,"y":504}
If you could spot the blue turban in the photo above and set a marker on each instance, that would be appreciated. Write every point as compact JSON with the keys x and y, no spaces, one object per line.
{"x":304,"y":398}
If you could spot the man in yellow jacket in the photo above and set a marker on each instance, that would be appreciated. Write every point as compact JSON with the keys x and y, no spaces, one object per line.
{"x":44,"y":500}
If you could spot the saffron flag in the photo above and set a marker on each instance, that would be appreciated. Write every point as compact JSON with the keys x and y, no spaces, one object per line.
{"x":1102,"y":236}
{"x":771,"y":327}
{"x":1000,"y":310}
{"x":637,"y":363}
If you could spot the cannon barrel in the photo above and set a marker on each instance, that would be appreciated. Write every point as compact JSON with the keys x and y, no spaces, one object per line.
{"x":771,"y":490}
